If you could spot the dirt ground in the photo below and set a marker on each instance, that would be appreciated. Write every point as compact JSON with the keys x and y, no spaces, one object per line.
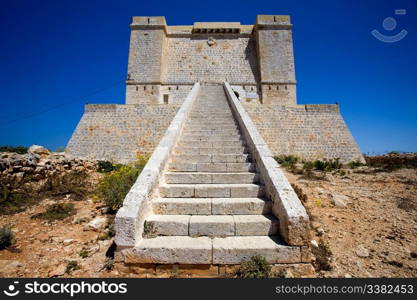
{"x":374,"y":232}
{"x":371,"y":232}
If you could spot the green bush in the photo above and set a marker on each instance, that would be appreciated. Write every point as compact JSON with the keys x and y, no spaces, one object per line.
{"x":58,"y":211}
{"x":72,"y":266}
{"x":74,"y":182}
{"x":6,"y":237}
{"x":16,"y":149}
{"x":255,"y":267}
{"x":327,"y":165}
{"x":104,"y":166}
{"x":114,"y":186}
{"x":393,"y":161}
{"x":14,"y":196}
{"x":287,"y":161}
{"x":355,"y":164}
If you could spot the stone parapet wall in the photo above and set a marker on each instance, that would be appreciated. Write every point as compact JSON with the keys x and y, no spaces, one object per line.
{"x":120,"y":132}
{"x":308,"y":131}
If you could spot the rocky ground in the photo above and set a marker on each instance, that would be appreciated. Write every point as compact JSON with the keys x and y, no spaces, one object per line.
{"x":367,"y":219}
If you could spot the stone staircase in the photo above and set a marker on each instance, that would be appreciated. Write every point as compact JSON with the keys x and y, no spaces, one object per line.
{"x":211,"y":207}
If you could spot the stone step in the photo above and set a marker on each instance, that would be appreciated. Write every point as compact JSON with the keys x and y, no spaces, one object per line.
{"x":210,"y":150}
{"x":208,"y":206}
{"x":172,"y":250}
{"x":199,"y":127}
{"x":215,"y":190}
{"x":198,"y":135}
{"x":204,"y":250}
{"x":225,"y":139}
{"x":211,"y":225}
{"x":203,"y":177}
{"x":234,"y":250}
{"x":210,"y":144}
{"x":211,"y":123}
{"x":209,"y":132}
{"x":213,"y":158}
{"x":211,"y":167}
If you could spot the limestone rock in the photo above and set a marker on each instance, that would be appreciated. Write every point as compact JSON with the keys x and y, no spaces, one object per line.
{"x":96,"y":224}
{"x":36,"y":149}
{"x":361,"y":251}
{"x":340,"y":200}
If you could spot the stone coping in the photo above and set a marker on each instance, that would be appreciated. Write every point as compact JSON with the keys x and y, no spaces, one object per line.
{"x":136,"y":206}
{"x":294,"y":224}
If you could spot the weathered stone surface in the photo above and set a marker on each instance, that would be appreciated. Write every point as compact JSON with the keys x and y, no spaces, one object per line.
{"x":240,"y":206}
{"x":233,"y":250}
{"x":171,"y":250}
{"x":214,"y":226}
{"x":169,"y":224}
{"x":182,"y":206}
{"x":255,"y":225}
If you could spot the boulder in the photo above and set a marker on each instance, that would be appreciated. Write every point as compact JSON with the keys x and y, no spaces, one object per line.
{"x":96,"y":224}
{"x":39,"y":150}
{"x":340,"y":200}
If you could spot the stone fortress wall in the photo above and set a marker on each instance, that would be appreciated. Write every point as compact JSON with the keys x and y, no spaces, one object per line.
{"x":258,"y":62}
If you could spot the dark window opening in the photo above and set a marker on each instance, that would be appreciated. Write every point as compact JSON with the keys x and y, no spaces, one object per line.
{"x":166,"y":98}
{"x":236,"y":94}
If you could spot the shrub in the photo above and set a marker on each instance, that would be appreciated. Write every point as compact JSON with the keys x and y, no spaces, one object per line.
{"x":327,"y":165}
{"x":114,"y":186}
{"x":104,"y":166}
{"x":74,"y":182}
{"x":16,"y":149}
{"x":72,"y":266}
{"x":255,"y":267}
{"x":391,"y":162}
{"x":323,"y":256}
{"x":60,"y":149}
{"x":355,"y":164}
{"x":148,"y":230}
{"x":58,"y":211}
{"x":83,"y":253}
{"x":287,"y":161}
{"x":6,"y":237}
{"x":14,"y":197}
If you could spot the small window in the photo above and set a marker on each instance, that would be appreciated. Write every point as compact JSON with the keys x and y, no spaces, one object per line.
{"x":166,"y":98}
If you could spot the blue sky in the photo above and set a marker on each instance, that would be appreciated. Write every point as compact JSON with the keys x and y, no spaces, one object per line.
{"x":57,"y":55}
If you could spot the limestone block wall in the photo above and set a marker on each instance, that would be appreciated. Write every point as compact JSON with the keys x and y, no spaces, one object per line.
{"x":147,"y":41}
{"x":231,"y":57}
{"x":308,"y":131}
{"x":120,"y":132}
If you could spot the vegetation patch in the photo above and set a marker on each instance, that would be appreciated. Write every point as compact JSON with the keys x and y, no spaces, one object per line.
{"x":72,"y":266}
{"x":392,"y":161}
{"x":114,"y":186}
{"x":149,"y":230}
{"x":105,"y":166}
{"x":287,"y":161}
{"x":74,"y":182}
{"x":323,"y":256}
{"x":255,"y":267}
{"x":15,"y":196}
{"x":58,"y":211}
{"x":6,"y":237}
{"x":15,"y":149}
{"x":300,"y":193}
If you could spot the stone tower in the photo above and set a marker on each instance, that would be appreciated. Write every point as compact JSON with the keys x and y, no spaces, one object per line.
{"x":256,"y":60}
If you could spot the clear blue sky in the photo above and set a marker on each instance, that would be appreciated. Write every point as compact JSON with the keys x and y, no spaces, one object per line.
{"x":56,"y":55}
